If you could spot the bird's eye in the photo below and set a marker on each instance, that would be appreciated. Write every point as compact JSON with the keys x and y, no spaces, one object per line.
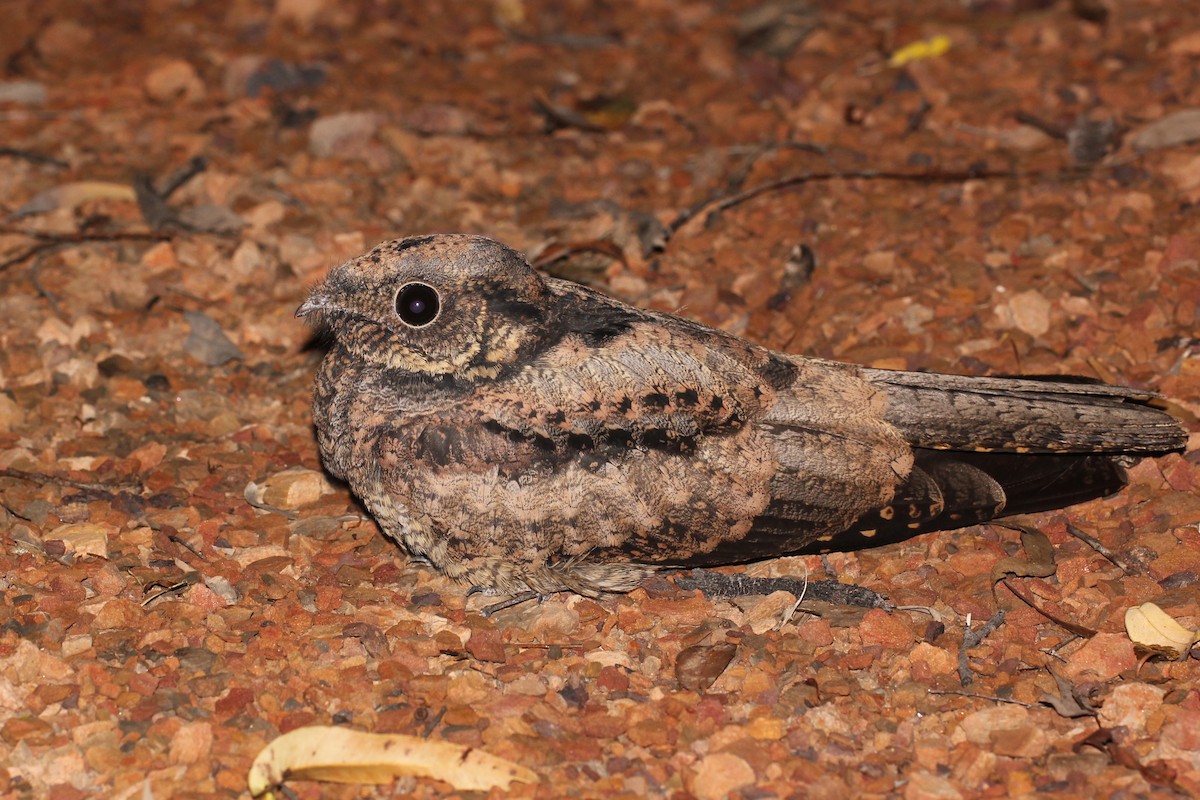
{"x":417,"y":304}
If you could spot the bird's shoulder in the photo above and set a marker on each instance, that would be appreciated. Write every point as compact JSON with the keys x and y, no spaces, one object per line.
{"x":614,"y":371}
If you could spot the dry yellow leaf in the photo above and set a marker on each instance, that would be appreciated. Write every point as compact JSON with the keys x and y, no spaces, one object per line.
{"x":919,"y":51}
{"x":342,"y":755}
{"x":73,"y":195}
{"x":1154,"y":629}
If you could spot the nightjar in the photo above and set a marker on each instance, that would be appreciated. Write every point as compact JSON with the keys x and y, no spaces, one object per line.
{"x":527,"y":434}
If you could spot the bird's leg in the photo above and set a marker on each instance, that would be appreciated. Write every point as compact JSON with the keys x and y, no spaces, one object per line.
{"x":515,"y":600}
{"x":716,"y":585}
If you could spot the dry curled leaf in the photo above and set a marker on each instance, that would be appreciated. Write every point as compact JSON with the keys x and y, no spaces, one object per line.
{"x":73,"y":195}
{"x":1069,"y":702}
{"x":1173,"y":130}
{"x":1153,"y":629}
{"x":699,"y":666}
{"x":342,"y":755}
{"x":1040,"y":561}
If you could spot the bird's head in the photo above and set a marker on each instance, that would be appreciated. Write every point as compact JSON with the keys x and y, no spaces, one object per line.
{"x":435,"y":306}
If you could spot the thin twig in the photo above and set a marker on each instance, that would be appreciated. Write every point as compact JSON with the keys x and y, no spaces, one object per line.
{"x":83,"y":237}
{"x":179,"y":540}
{"x":972,"y":638}
{"x":991,"y":697}
{"x":49,"y":241}
{"x":722,"y":202}
{"x":177,"y":586}
{"x":546,"y":646}
{"x":35,"y":277}
{"x":27,"y":253}
{"x":742,"y":171}
{"x":1073,"y":627}
{"x":31,"y":156}
{"x":45,"y":477}
{"x":1094,"y":543}
{"x":173,"y":182}
{"x":1049,"y":128}
{"x":434,"y":721}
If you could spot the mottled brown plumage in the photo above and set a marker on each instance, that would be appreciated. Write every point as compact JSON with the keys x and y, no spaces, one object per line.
{"x":524,"y":433}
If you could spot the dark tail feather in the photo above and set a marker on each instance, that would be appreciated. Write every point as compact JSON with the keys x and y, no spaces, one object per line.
{"x":1025,"y":415}
{"x":1044,"y":482}
{"x":949,"y":490}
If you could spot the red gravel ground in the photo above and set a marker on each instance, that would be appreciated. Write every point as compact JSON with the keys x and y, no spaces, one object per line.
{"x":179,"y":585}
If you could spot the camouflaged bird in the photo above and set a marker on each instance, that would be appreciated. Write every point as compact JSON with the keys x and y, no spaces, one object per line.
{"x":527,"y":434}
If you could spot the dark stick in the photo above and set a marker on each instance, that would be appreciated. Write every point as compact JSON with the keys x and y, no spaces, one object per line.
{"x":972,"y":638}
{"x":1098,"y":546}
{"x":721,"y":203}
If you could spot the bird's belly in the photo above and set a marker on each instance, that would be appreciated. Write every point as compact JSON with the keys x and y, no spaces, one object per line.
{"x":647,"y":506}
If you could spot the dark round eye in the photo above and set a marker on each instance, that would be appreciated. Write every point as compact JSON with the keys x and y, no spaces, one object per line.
{"x":417,"y":304}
